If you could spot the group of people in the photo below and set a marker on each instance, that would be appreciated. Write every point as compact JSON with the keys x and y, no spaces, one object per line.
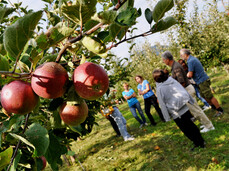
{"x":176,"y":96}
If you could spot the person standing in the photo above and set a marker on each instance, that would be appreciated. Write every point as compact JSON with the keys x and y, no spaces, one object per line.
{"x":196,"y":71}
{"x":144,"y":89}
{"x":185,"y":67}
{"x":134,"y":104}
{"x":179,"y":74}
{"x":173,"y":99}
{"x":109,"y":108}
{"x":112,"y":121}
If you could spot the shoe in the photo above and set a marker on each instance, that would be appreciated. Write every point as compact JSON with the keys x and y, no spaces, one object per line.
{"x":206,"y":107}
{"x":202,"y":126}
{"x":145,"y":124}
{"x":219,"y":113}
{"x":141,"y":125}
{"x":206,"y":129}
{"x":129,"y":139}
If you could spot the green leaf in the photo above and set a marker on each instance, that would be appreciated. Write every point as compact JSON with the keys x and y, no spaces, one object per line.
{"x":94,"y":44}
{"x":5,"y":157}
{"x":86,"y":8}
{"x":71,"y":153}
{"x":48,"y":58}
{"x":2,"y":49}
{"x":4,"y":64}
{"x":89,"y":24}
{"x":48,"y":1}
{"x":163,"y":24}
{"x":42,"y":41}
{"x":16,"y":161}
{"x":149,"y":15}
{"x":16,"y":36}
{"x":3,"y":128}
{"x":127,"y":18}
{"x":15,"y":122}
{"x":38,"y":136}
{"x":59,"y":33}
{"x":56,"y":121}
{"x":107,"y":17}
{"x":53,"y":18}
{"x":83,"y":59}
{"x":128,"y":3}
{"x":4,"y":12}
{"x":115,"y":30}
{"x":77,"y":129}
{"x":54,"y":152}
{"x":161,"y":8}
{"x":103,"y":34}
{"x":18,"y":137}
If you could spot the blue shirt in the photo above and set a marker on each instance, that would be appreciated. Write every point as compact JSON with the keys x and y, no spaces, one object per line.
{"x":132,"y":100}
{"x":143,"y":87}
{"x":194,"y":65}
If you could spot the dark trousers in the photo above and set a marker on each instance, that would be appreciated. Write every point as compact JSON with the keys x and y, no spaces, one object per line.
{"x":189,"y":129}
{"x":114,"y":125}
{"x":152,"y":100}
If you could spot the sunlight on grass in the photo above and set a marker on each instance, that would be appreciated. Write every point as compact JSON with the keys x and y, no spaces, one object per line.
{"x":162,"y":147}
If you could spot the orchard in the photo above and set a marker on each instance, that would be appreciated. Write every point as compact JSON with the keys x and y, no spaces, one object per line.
{"x":52,"y":76}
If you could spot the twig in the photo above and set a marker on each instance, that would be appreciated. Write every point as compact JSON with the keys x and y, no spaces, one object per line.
{"x":124,"y":40}
{"x":18,"y":144}
{"x":11,"y":74}
{"x":73,"y":40}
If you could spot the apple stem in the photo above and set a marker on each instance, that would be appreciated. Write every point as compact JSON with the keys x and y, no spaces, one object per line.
{"x":19,"y":143}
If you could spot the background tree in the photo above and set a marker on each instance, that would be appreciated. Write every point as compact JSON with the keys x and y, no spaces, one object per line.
{"x":205,"y":33}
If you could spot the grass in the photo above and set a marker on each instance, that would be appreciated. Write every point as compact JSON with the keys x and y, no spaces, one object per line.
{"x":162,"y":147}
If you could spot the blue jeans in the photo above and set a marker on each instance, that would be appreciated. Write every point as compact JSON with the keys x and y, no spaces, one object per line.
{"x":133,"y":111}
{"x":199,"y":96}
{"x":121,"y":123}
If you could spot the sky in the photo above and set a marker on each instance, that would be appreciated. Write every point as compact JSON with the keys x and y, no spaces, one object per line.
{"x":142,"y":25}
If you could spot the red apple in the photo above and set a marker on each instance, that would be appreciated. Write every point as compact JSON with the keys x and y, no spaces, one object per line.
{"x":18,"y":97}
{"x":44,"y":162}
{"x":49,"y":80}
{"x":90,"y":81}
{"x":74,"y":115}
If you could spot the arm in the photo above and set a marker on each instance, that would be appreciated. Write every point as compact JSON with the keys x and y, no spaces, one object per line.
{"x":145,"y":91}
{"x":190,"y":74}
{"x":179,"y":76}
{"x":163,"y":107}
{"x":129,"y":97}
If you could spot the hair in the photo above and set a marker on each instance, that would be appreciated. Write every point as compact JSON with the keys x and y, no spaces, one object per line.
{"x":125,"y":84}
{"x":167,"y":55}
{"x":184,"y":65}
{"x":159,"y":75}
{"x":139,"y":77}
{"x":181,"y":61}
{"x":185,"y":51}
{"x":166,"y":71}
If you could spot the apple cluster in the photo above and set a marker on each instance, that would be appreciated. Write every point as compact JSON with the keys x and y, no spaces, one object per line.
{"x":49,"y":81}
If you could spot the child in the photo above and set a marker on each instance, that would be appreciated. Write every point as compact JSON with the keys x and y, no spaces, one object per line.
{"x":172,"y":98}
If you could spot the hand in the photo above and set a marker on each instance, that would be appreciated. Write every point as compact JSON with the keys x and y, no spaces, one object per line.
{"x":141,"y":93}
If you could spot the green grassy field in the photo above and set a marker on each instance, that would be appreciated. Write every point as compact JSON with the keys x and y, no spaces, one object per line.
{"x":162,"y":147}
